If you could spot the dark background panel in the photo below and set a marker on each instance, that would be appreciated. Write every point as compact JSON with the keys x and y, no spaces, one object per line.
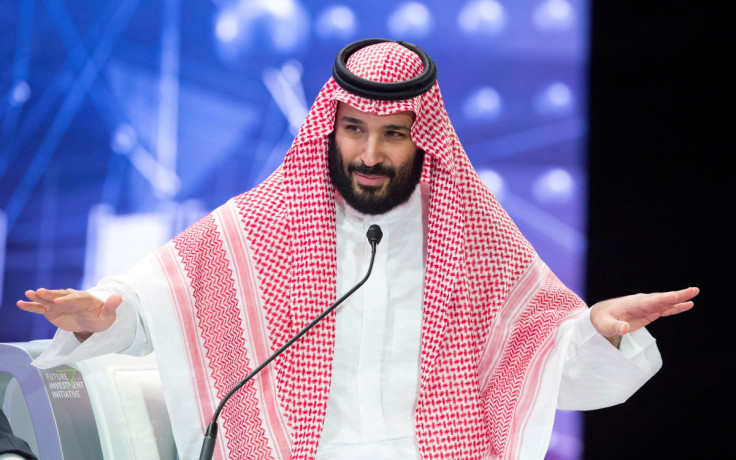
{"x":662,"y":215}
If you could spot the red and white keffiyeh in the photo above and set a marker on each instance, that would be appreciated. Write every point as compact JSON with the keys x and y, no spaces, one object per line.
{"x":249,"y":276}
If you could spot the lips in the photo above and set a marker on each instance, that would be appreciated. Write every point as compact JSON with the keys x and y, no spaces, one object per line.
{"x":370,"y":180}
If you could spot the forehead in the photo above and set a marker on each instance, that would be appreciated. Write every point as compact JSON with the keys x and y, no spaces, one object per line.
{"x":399,"y":118}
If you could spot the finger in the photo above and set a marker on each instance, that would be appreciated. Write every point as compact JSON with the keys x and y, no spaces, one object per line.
{"x":71,"y":296}
{"x":683,"y":295}
{"x":39,"y":297}
{"x":679,"y":308}
{"x":31,"y":307}
{"x":666,"y":300}
{"x":77,"y":300}
{"x":31,"y":294}
{"x":49,"y":295}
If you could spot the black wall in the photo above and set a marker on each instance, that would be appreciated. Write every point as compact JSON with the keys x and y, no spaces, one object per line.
{"x":662,"y":207}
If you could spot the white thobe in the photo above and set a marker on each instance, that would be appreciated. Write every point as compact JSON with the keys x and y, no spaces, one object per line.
{"x":370,"y":410}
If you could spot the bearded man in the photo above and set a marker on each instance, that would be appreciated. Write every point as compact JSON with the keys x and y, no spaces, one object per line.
{"x":461,"y":343}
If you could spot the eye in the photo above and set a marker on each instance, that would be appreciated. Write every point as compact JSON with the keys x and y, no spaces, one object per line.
{"x":352,"y":128}
{"x":395,"y":134}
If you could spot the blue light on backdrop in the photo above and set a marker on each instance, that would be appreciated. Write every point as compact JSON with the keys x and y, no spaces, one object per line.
{"x":336,"y":22}
{"x":482,"y":17}
{"x":122,"y":121}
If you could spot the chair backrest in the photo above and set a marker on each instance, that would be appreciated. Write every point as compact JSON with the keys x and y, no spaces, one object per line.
{"x":109,"y":407}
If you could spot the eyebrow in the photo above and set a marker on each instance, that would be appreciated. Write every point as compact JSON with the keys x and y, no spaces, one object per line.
{"x":358,"y":121}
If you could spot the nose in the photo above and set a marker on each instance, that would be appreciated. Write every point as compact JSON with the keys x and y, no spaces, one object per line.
{"x":372,"y":152}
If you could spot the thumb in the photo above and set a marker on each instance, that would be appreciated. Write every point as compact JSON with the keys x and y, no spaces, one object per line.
{"x":109,"y":307}
{"x":113,"y":302}
{"x":605,"y":323}
{"x":623,"y":327}
{"x":611,"y":327}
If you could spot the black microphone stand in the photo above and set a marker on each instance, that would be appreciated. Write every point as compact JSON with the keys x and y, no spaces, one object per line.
{"x":374,"y":236}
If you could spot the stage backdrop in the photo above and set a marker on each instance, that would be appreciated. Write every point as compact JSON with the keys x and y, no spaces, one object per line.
{"x":122,"y":121}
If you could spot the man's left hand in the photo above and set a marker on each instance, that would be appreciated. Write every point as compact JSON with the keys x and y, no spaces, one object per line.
{"x":615,"y":317}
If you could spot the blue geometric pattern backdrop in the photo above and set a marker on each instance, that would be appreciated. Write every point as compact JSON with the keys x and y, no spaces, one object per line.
{"x":122,"y":121}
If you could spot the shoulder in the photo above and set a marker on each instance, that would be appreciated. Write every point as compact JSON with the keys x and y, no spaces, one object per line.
{"x":268,"y":196}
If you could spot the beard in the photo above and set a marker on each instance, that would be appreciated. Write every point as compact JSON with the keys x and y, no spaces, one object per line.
{"x":373,"y":200}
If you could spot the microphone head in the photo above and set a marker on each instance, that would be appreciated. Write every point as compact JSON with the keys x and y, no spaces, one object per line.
{"x":374,"y":234}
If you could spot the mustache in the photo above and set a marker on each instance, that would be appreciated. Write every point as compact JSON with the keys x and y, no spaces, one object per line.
{"x":376,"y":170}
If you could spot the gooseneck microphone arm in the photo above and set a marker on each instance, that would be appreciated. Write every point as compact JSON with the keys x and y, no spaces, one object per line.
{"x":374,"y":235}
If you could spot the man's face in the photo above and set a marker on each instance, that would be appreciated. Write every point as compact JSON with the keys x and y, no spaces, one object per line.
{"x":373,"y":162}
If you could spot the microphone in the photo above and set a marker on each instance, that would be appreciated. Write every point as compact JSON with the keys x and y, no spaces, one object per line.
{"x":374,"y":235}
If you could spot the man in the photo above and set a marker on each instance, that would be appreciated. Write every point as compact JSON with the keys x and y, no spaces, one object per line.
{"x":460,"y":344}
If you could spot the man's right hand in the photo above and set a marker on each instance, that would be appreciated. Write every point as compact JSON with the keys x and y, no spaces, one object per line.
{"x":72,"y":310}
